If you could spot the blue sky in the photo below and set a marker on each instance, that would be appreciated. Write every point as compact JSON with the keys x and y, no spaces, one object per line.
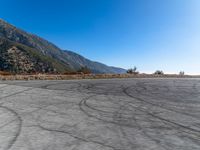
{"x":149,"y":34}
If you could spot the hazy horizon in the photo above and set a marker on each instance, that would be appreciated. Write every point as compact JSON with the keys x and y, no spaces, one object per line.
{"x":150,"y":34}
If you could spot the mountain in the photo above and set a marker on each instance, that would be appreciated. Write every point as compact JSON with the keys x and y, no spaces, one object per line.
{"x":22,"y":52}
{"x":77,"y":60}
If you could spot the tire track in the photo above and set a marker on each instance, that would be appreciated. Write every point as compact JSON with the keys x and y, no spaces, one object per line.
{"x":19,"y":127}
{"x":186,"y":129}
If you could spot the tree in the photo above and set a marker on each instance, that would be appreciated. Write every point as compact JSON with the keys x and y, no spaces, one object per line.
{"x":132,"y":71}
{"x":181,"y":73}
{"x":159,"y":72}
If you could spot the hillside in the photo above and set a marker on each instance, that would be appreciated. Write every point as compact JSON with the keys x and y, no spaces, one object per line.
{"x":77,"y":60}
{"x":18,"y":58}
{"x":22,"y":52}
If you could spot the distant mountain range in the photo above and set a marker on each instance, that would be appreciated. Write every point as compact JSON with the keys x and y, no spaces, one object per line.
{"x":22,"y":52}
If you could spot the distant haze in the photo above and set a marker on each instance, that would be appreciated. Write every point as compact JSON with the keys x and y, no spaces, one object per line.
{"x":150,"y":34}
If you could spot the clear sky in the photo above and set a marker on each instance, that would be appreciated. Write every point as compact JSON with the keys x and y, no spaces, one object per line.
{"x":149,"y":34}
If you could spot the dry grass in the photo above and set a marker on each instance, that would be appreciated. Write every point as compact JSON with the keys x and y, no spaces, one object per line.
{"x":7,"y":76}
{"x":4,"y":73}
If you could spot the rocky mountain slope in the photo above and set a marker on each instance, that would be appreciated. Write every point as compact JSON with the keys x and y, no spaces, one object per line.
{"x":77,"y":60}
{"x":22,"y":52}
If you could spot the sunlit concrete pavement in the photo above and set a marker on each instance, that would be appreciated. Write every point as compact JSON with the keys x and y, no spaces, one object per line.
{"x":116,"y":114}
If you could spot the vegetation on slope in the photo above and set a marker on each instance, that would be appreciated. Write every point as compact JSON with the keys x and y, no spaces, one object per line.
{"x":46,"y":51}
{"x":19,"y":58}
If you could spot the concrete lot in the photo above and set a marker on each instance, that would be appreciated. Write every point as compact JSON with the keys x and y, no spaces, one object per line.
{"x":115,"y":114}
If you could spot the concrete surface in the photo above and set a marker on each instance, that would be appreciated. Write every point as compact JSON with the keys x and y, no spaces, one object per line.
{"x":116,"y":114}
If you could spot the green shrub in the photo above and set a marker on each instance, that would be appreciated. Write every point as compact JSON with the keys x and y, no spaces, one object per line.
{"x":181,"y":73}
{"x":159,"y":72}
{"x":84,"y":70}
{"x":132,"y":71}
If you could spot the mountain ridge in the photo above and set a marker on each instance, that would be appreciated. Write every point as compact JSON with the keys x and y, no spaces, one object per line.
{"x":45,"y":52}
